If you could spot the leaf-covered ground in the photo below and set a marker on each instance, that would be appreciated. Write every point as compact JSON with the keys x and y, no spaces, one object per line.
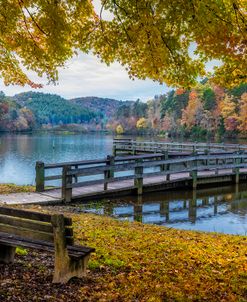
{"x":136,"y":262}
{"x":12,"y":188}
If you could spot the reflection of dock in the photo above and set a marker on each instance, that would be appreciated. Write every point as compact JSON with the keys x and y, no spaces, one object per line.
{"x":172,"y":212}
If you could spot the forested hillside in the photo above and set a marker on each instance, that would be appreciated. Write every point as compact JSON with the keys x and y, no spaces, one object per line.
{"x":106,"y":107}
{"x":53,"y":109}
{"x":204,"y":111}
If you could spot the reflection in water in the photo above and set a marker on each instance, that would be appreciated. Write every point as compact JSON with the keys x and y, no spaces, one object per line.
{"x":216,"y":210}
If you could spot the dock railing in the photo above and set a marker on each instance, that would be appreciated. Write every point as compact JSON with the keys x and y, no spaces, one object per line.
{"x":134,"y":147}
{"x":44,"y":172}
{"x":196,"y":168}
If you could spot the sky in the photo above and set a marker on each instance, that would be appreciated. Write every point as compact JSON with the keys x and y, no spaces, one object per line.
{"x":85,"y":75}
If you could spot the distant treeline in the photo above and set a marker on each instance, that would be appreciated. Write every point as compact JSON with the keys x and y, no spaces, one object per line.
{"x":206,"y":110}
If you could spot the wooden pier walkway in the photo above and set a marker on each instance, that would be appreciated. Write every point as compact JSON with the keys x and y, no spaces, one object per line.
{"x":129,"y":146}
{"x":136,"y":174}
{"x":115,"y":176}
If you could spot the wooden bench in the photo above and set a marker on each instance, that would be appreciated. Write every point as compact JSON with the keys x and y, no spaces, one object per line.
{"x":50,"y":233}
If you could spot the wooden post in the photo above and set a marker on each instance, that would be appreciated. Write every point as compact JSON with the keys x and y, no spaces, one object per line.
{"x":215,"y":205}
{"x":110,"y":161}
{"x":193,"y":174}
{"x":106,"y":177}
{"x":76,"y":177}
{"x":168,"y":176}
{"x":192,"y":208}
{"x":194,"y":149}
{"x":138,"y":212}
{"x":66,"y":181}
{"x":7,"y":254}
{"x":236,"y":170}
{"x":40,"y":176}
{"x":164,"y":210}
{"x":114,"y":149}
{"x":108,"y":173}
{"x":217,"y":163}
{"x":139,"y":176}
{"x":162,"y":166}
{"x":206,"y":153}
{"x":65,"y":267}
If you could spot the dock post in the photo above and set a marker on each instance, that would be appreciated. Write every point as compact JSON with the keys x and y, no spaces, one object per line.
{"x":192,"y":208}
{"x":139,"y":176}
{"x":106,"y":177}
{"x":164,"y":210}
{"x":108,"y":173}
{"x":40,"y":176}
{"x":114,"y":149}
{"x":193,"y":174}
{"x":162,"y":166}
{"x":236,"y":170}
{"x":110,"y":161}
{"x":66,"y":181}
{"x":168,"y":176}
{"x":138,"y":211}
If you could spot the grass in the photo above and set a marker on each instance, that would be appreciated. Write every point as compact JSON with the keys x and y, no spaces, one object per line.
{"x":12,"y":188}
{"x":151,"y":263}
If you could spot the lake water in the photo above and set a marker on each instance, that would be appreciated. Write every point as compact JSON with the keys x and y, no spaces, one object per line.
{"x":19,"y":152}
{"x":222,"y":209}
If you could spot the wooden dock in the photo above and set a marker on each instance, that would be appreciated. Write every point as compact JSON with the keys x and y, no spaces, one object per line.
{"x":116,"y":176}
{"x":129,"y":146}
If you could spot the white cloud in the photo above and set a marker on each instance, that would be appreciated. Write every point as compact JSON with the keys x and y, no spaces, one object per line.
{"x":85,"y":75}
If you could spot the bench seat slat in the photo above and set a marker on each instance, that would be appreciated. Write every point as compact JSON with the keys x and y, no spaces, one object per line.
{"x":74,"y":251}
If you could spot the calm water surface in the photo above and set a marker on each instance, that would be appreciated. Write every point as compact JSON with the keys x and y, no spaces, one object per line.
{"x":222,"y":209}
{"x":18,"y":153}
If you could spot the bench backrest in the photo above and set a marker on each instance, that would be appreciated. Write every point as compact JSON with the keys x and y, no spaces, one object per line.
{"x":32,"y":225}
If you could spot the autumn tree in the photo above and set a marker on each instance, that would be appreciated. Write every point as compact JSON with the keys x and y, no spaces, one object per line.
{"x":228,"y":112}
{"x":243,"y":113}
{"x":151,"y":38}
{"x":191,"y":114}
{"x":141,"y":123}
{"x":119,"y":129}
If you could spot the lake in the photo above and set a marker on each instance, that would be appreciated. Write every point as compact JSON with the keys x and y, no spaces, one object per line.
{"x":19,"y":152}
{"x":222,"y":209}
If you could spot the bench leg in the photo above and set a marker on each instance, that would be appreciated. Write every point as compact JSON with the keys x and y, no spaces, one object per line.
{"x":65,"y":270}
{"x":7,"y":253}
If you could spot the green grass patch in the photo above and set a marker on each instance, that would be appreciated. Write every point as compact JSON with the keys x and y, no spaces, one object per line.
{"x":21,"y":251}
{"x":12,"y":188}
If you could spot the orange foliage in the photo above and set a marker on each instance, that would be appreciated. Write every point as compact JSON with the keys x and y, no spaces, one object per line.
{"x":189,"y":116}
{"x":243,"y":113}
{"x":180,"y":91}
